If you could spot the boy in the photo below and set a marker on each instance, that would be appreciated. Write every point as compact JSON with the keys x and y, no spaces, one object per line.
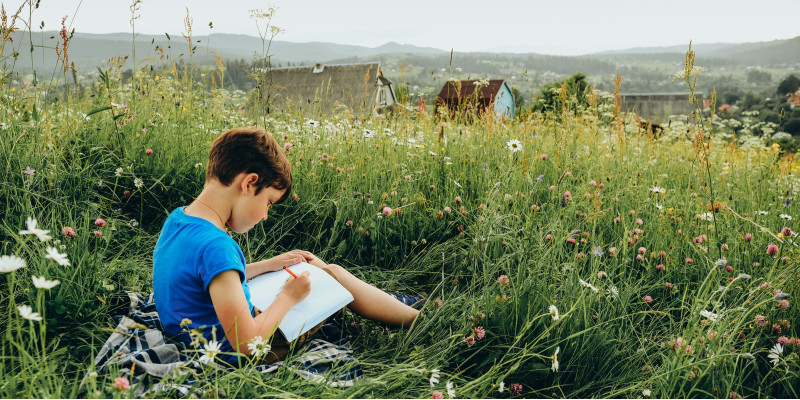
{"x":200,"y":274}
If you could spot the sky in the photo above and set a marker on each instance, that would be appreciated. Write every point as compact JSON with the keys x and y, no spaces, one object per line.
{"x":562,"y":27}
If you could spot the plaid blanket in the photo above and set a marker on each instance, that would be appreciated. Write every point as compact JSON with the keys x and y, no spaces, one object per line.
{"x":138,"y":350}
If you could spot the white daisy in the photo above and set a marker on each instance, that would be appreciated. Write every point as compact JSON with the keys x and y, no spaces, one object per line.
{"x":451,"y":392}
{"x":659,"y":206}
{"x":762,"y":212}
{"x":588,"y":285}
{"x":775,"y":354}
{"x":786,"y":217}
{"x":646,"y":393}
{"x":434,"y":377}
{"x":258,"y":347}
{"x":554,"y":367}
{"x":60,"y":258}
{"x":25,"y":311}
{"x":43,"y":283}
{"x":709,"y":315}
{"x":514,"y":145}
{"x":705,"y":216}
{"x":42,"y":234}
{"x":656,"y":189}
{"x":10,"y":264}
{"x":118,"y":171}
{"x":138,"y":183}
{"x":554,"y":312}
{"x":210,"y":351}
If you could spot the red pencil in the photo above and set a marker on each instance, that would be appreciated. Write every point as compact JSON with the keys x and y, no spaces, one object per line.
{"x":290,"y":271}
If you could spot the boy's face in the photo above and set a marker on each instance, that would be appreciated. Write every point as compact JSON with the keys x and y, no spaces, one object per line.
{"x":253,"y":208}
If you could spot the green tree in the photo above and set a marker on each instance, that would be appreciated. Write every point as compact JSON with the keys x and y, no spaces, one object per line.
{"x":756,"y":76}
{"x":519,"y":100}
{"x":549,"y":97}
{"x":788,"y":85}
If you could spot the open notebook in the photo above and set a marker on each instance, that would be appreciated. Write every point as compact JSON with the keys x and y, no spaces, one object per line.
{"x":326,"y":297}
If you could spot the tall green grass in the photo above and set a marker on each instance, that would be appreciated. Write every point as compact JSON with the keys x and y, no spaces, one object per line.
{"x":545,"y":216}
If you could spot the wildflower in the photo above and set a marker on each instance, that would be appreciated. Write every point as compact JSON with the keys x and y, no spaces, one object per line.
{"x":387,"y":211}
{"x":548,"y":238}
{"x":210,"y":351}
{"x":775,"y":354}
{"x":786,"y":232}
{"x":138,"y":183}
{"x":544,"y":157}
{"x":660,"y":267}
{"x":60,"y":258}
{"x":126,"y":194}
{"x":29,"y":171}
{"x":448,"y":210}
{"x":688,"y":260}
{"x":10,"y":264}
{"x":295,"y":197}
{"x":744,"y":277}
{"x":588,"y":285}
{"x":68,"y":232}
{"x":601,"y":274}
{"x":43,"y":283}
{"x":287,"y":147}
{"x":659,"y":206}
{"x":646,"y":393}
{"x":515,"y":388}
{"x":121,"y":383}
{"x":656,"y":189}
{"x":149,"y":152}
{"x":759,"y":212}
{"x":118,"y":171}
{"x":479,"y":333}
{"x":458,"y":199}
{"x":258,"y":347}
{"x":25,"y":311}
{"x":709,"y":315}
{"x":554,"y":312}
{"x":721,"y":262}
{"x":786,"y":217}
{"x":514,"y":145}
{"x":503,"y":280}
{"x":647,"y":299}
{"x":668,"y":286}
{"x":783,"y":304}
{"x":502,"y":387}
{"x":437,"y":395}
{"x":772,"y":249}
{"x":451,"y":392}
{"x":597,"y":251}
{"x":434,"y":377}
{"x":98,"y":233}
{"x":705,"y":216}
{"x":571,"y":240}
{"x":554,"y":367}
{"x":42,"y":234}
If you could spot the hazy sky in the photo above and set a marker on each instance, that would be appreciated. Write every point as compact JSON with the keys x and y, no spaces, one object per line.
{"x":551,"y":26}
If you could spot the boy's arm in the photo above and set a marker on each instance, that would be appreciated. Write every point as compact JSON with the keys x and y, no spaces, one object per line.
{"x":233,"y":312}
{"x":278,"y":262}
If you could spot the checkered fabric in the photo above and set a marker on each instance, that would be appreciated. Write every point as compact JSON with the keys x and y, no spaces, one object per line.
{"x":137,"y":349}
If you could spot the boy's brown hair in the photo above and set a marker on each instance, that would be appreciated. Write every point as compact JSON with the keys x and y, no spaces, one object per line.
{"x":250,"y":151}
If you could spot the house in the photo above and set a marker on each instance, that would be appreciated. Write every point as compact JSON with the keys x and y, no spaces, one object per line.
{"x":480,"y":95}
{"x":361,"y":88}
{"x":659,"y":105}
{"x":794,"y":99}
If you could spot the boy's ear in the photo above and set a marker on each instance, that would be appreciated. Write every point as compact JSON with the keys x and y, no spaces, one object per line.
{"x":248,"y":180}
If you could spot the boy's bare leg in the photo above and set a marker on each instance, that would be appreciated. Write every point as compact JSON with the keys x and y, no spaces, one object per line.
{"x":370,"y":302}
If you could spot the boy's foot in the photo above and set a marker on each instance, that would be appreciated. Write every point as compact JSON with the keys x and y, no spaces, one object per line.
{"x":415,"y":302}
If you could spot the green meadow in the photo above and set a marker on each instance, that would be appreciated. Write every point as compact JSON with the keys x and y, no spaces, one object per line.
{"x":569,"y":253}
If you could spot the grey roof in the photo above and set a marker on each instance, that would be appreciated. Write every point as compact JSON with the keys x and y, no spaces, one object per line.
{"x":353,"y":85}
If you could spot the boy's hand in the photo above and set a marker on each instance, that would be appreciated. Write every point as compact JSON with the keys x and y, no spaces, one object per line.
{"x":297,"y":288}
{"x":288,"y":259}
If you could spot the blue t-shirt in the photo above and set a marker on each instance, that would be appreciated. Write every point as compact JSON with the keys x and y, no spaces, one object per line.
{"x":189,"y":253}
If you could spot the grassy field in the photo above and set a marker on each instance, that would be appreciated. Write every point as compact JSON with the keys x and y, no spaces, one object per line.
{"x":565,"y":255}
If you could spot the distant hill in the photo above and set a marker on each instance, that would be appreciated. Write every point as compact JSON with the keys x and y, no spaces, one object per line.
{"x":88,"y":51}
{"x":775,"y":52}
